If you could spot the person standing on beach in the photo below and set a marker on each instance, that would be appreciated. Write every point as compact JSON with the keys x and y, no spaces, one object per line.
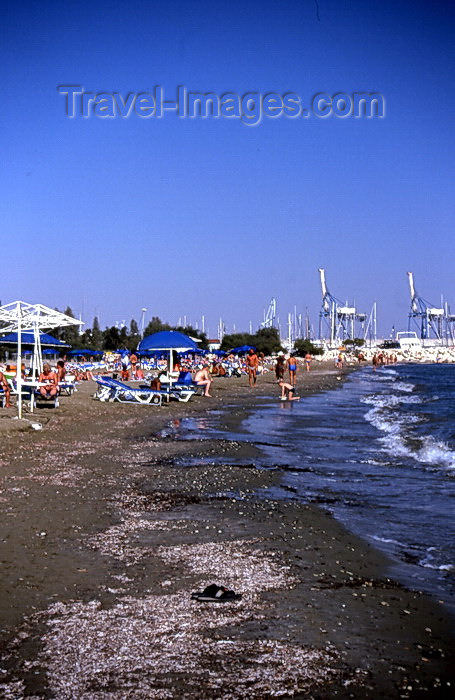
{"x":5,"y":386}
{"x":133,"y":361}
{"x":308,"y":360}
{"x":292,"y":368}
{"x":252,"y":362}
{"x":125,"y":367}
{"x":279,"y":367}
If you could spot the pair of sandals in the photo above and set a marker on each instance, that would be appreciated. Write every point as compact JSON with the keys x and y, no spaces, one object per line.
{"x":215,"y":594}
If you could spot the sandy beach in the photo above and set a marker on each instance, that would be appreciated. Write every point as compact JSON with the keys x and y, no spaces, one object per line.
{"x":110,"y":520}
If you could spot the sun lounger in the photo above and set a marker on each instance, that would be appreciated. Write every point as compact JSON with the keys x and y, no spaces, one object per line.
{"x":39,"y":399}
{"x":112,"y":390}
{"x":181,"y":387}
{"x":28,"y":393}
{"x":67,"y":387}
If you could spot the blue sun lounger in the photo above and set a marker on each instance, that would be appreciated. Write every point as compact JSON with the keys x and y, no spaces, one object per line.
{"x":112,"y":390}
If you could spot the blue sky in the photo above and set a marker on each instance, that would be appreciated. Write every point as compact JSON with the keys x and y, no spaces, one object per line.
{"x":210,"y":216}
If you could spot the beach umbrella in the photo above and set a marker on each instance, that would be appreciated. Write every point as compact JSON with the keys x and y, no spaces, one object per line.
{"x":20,"y":316}
{"x":80,"y":353}
{"x":170,"y":341}
{"x":243,"y":348}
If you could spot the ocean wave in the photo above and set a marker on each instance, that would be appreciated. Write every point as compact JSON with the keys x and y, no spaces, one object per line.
{"x":436,"y":452}
{"x":387,"y":540}
{"x":428,"y":562}
{"x":404,"y":386}
{"x":399,"y":443}
{"x":389,"y":400}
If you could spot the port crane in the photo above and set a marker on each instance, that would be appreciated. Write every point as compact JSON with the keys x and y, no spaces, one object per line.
{"x":431,"y":321}
{"x":342,"y":320}
{"x":270,"y":316}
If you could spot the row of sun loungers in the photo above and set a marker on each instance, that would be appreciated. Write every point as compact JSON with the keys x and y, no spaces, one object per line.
{"x":110,"y":389}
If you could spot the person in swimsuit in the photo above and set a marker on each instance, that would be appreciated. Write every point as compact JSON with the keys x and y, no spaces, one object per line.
{"x":202,"y":378}
{"x":49,"y":378}
{"x":61,"y":371}
{"x":252,"y":362}
{"x":308,"y":360}
{"x":287,"y":391}
{"x":292,"y":367}
{"x":133,"y":362}
{"x":139,"y":372}
{"x":5,"y":386}
{"x":279,"y":367}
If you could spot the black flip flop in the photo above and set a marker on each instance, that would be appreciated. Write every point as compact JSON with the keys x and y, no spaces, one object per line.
{"x":215,"y":594}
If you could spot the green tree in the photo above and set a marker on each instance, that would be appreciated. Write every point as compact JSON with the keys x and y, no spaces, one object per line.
{"x":111,"y":338}
{"x":97,"y":335}
{"x":301,"y":347}
{"x":155,"y":325}
{"x":134,"y":337}
{"x":69,"y":334}
{"x":193,"y":333}
{"x":235,"y":340}
{"x":267,"y":340}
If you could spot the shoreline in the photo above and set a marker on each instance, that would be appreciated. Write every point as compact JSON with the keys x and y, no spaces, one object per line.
{"x":131,"y":534}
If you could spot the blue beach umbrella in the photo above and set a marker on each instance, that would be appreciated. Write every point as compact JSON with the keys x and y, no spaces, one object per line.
{"x":243,"y":348}
{"x":79,"y":353}
{"x":170,"y":341}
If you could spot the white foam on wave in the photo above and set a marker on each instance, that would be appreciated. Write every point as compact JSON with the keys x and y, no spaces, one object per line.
{"x":389,"y":400}
{"x":436,"y":452}
{"x":428,"y":562}
{"x":403,"y":386}
{"x":426,"y":450}
{"x":386,"y":540}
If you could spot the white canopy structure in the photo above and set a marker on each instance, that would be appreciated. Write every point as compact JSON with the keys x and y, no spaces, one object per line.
{"x":20,"y":316}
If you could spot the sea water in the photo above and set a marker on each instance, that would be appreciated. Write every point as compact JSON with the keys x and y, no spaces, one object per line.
{"x":379,"y":453}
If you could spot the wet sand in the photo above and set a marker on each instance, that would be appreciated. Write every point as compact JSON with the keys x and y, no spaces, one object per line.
{"x":108,"y":524}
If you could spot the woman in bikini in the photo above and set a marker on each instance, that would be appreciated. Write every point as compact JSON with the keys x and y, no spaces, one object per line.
{"x":49,"y":379}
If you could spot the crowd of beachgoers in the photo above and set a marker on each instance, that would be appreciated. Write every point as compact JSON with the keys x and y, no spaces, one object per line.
{"x":202,"y":368}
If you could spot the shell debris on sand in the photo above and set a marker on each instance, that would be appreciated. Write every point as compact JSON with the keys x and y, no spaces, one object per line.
{"x":151,"y":646}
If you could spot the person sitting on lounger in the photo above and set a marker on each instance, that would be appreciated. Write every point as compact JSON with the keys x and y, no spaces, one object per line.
{"x":49,"y":379}
{"x":202,"y":378}
{"x":5,"y":386}
{"x":61,"y":371}
{"x":140,"y":373}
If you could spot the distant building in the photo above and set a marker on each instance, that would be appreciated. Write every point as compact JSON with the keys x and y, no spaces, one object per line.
{"x":214,"y":344}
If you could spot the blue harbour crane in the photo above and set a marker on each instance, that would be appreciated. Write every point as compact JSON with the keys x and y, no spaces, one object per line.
{"x":432,"y":322}
{"x":342,"y":321}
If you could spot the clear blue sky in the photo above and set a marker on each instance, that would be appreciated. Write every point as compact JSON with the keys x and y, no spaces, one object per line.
{"x":194,"y":216}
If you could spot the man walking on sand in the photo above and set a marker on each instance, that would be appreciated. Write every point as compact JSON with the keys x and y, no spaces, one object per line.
{"x":252,"y":362}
